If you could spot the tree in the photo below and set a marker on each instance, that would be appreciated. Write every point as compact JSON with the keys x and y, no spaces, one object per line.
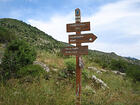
{"x":17,"y":55}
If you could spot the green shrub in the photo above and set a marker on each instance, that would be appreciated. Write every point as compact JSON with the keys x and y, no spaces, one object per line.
{"x":32,"y":70}
{"x":102,"y":61}
{"x":6,"y":36}
{"x":17,"y":55}
{"x":70,"y":64}
{"x":133,"y":71}
{"x":69,"y":71}
{"x":63,"y":74}
{"x":119,"y":65}
{"x":85,"y":74}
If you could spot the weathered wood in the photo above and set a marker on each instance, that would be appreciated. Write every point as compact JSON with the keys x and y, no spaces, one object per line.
{"x":81,"y":26}
{"x":78,"y":50}
{"x":74,"y":50}
{"x":82,"y":38}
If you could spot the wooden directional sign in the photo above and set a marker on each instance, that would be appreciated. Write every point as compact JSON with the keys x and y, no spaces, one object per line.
{"x":74,"y":50}
{"x":78,"y":50}
{"x":82,"y":38}
{"x":83,"y":26}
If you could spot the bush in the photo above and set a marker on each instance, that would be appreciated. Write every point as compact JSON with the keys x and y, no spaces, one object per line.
{"x":133,"y":71}
{"x":70,"y":68}
{"x":31,"y":70}
{"x":6,"y":36}
{"x":70,"y":64}
{"x":17,"y":55}
{"x":119,"y":65}
{"x":85,"y":74}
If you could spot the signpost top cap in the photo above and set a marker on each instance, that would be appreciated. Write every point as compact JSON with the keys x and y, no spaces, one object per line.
{"x":77,"y":9}
{"x":77,"y":12}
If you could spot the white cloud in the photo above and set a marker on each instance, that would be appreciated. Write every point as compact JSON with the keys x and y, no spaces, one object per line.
{"x":120,"y":17}
{"x":56,"y":27}
{"x":121,"y":49}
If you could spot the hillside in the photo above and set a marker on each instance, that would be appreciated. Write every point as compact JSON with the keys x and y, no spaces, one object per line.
{"x":103,"y":82}
{"x":41,"y":40}
{"x":31,"y":34}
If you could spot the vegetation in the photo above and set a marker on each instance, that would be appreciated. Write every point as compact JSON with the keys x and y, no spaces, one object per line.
{"x":31,"y":70}
{"x":69,"y":71}
{"x":59,"y":91}
{"x":34,"y":36}
{"x":17,"y":55}
{"x":29,"y":84}
{"x":119,"y":65}
{"x":133,"y":71}
{"x":6,"y":36}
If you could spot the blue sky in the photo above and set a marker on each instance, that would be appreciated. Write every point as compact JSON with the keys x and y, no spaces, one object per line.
{"x":115,"y":22}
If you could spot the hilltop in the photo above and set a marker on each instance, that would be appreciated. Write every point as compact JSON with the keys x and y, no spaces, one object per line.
{"x":31,"y":34}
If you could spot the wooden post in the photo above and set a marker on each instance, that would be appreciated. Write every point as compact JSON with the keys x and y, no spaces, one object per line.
{"x":78,"y":50}
{"x":78,"y":70}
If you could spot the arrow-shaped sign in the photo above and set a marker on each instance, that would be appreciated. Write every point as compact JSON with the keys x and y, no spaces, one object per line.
{"x":82,"y":38}
{"x":74,"y":50}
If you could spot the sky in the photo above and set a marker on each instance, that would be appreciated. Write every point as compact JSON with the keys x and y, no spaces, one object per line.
{"x":116,"y":23}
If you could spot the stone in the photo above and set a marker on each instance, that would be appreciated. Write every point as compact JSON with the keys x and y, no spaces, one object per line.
{"x":42,"y":65}
{"x":0,"y":61}
{"x":93,"y":68}
{"x":103,"y":70}
{"x":100,"y":82}
{"x":119,"y":73}
{"x":99,"y":72}
{"x":123,"y":74}
{"x":54,"y":69}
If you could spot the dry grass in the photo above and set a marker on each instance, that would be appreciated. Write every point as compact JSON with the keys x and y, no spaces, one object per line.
{"x":61,"y":91}
{"x":52,"y":60}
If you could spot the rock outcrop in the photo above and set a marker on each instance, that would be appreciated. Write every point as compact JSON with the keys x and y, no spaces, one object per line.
{"x":119,"y":73}
{"x":46,"y":68}
{"x":99,"y":82}
{"x":103,"y":70}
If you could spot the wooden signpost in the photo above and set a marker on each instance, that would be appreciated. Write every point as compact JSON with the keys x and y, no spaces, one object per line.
{"x":82,"y":38}
{"x":81,"y":50}
{"x":83,"y":26}
{"x":78,"y":50}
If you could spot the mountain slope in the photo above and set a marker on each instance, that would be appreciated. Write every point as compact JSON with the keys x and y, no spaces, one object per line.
{"x":30,"y":34}
{"x":41,"y":40}
{"x":57,"y":87}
